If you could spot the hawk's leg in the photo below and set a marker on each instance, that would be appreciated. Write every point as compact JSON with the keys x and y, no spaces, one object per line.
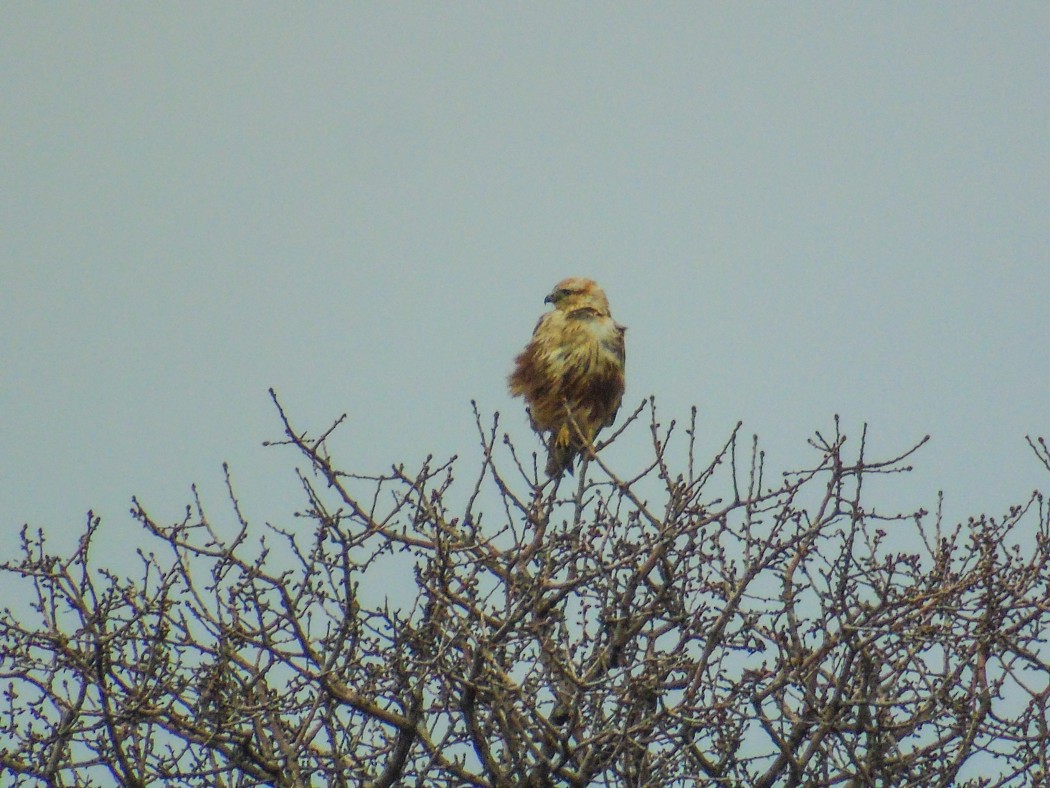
{"x":560,"y":451}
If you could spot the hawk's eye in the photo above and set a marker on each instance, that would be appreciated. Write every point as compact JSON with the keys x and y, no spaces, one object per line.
{"x":564,"y":292}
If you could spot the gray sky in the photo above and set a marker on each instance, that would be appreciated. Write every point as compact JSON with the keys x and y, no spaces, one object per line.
{"x":798,"y":210}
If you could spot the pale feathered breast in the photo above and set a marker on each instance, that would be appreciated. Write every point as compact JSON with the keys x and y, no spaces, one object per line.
{"x":574,"y":358}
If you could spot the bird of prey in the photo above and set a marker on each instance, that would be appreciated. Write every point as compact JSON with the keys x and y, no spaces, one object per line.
{"x":571,"y":371}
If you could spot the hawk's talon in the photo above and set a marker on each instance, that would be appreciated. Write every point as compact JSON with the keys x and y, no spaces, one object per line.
{"x":562,"y":439}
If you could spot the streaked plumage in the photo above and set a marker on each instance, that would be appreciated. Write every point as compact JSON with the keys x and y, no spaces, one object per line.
{"x":575,"y":359}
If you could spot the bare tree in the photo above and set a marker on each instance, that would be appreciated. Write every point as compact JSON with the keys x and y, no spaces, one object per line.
{"x":695,"y":626}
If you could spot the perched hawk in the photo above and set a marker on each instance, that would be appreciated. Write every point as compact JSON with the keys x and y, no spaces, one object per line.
{"x":574,"y":363}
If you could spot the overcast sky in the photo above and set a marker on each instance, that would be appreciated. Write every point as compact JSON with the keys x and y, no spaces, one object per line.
{"x":798,"y":210}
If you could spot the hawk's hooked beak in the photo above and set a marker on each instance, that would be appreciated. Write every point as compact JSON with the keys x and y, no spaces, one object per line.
{"x":549,"y":299}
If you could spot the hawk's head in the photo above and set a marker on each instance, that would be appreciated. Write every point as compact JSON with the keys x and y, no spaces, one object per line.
{"x":576,"y":292}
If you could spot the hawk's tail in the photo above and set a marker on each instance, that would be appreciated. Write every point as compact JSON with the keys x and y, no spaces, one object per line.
{"x":559,"y":458}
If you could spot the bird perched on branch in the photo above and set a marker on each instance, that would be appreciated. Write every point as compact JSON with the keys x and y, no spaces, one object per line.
{"x":572,"y":370}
